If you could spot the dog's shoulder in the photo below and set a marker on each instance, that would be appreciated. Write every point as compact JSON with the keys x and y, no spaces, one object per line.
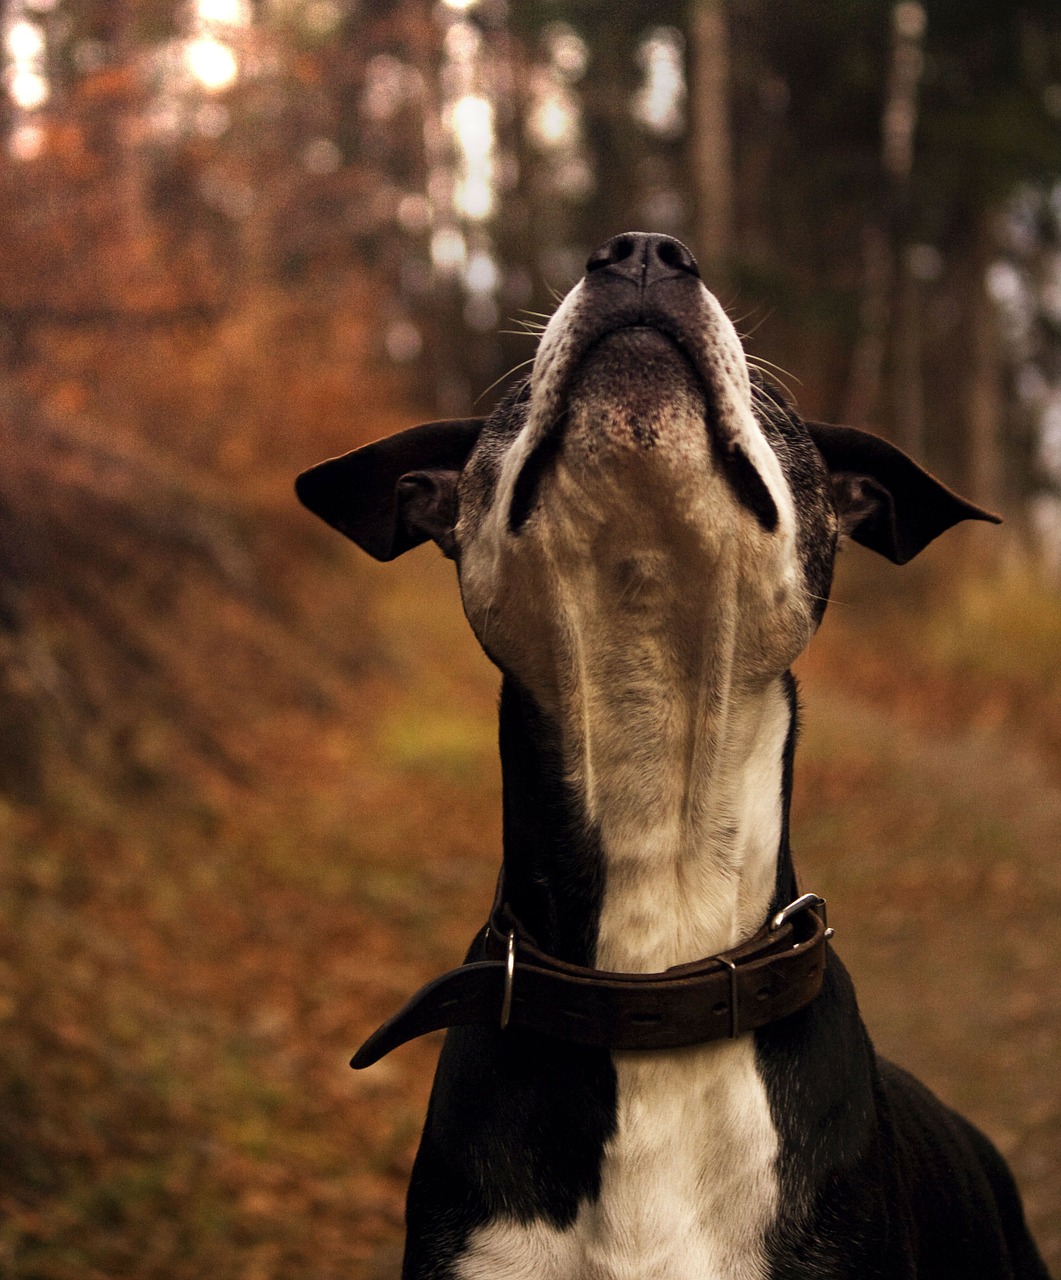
{"x":965,"y":1204}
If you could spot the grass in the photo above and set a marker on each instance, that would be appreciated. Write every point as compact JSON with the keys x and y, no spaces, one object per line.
{"x":418,"y":738}
{"x":1005,"y":627}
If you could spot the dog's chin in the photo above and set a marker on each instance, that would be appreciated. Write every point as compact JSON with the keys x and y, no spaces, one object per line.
{"x":634,"y":414}
{"x":632,"y":399}
{"x":636,"y":393}
{"x":634,"y":390}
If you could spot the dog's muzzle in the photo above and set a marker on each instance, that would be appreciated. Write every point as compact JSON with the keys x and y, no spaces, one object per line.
{"x":635,"y":282}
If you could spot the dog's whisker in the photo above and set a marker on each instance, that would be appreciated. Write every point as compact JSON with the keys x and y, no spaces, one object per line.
{"x":775,"y":390}
{"x":507,"y":374}
{"x":730,"y":303}
{"x":762,"y":396}
{"x":737,"y":321}
{"x":767,"y":313}
{"x":775,"y":379}
{"x":771,"y":377}
{"x":763,"y":365}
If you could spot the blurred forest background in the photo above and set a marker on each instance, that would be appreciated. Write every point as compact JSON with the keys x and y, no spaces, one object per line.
{"x":248,"y":790}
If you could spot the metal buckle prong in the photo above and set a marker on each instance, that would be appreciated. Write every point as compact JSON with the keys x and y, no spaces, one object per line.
{"x":732,"y":995}
{"x":510,"y":973}
{"x":802,"y":903}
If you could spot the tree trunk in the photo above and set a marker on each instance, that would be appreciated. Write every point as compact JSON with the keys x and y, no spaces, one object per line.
{"x":908,"y":387}
{"x":867,"y":359}
{"x":881,"y":272}
{"x":984,"y":404}
{"x":711,"y":148}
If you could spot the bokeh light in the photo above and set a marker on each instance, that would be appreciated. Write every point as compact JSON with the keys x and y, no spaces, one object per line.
{"x":212,"y":63}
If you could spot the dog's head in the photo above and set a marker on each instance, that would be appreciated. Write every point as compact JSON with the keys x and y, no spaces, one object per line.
{"x":643,"y":466}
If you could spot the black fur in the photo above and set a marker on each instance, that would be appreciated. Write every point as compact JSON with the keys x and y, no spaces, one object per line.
{"x":517,"y":1122}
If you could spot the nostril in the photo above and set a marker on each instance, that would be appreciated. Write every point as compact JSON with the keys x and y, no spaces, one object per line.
{"x":673,"y":254}
{"x":618,"y":249}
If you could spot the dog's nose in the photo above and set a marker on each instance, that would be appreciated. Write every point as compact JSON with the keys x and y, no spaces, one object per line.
{"x":643,"y":257}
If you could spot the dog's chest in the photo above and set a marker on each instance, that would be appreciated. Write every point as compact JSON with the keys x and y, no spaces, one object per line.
{"x":688,"y":1182}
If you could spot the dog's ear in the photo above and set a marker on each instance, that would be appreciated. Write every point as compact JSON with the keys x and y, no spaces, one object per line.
{"x":396,"y":493}
{"x":883,"y":498}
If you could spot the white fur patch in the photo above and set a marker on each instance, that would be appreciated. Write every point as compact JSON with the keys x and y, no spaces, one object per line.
{"x":508,"y":1250}
{"x":688,"y":1188}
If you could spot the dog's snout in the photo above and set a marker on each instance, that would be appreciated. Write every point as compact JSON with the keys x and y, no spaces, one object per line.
{"x":643,"y":258}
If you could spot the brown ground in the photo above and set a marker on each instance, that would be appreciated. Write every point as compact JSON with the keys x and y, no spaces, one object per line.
{"x":187,"y":959}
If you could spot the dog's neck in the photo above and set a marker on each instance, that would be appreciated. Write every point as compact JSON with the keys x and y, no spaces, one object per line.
{"x":646,"y":799}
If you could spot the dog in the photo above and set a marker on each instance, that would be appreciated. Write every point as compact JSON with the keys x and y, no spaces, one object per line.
{"x":656,"y":1068}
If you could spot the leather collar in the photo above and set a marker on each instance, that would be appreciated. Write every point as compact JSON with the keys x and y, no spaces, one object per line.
{"x":772,"y":975}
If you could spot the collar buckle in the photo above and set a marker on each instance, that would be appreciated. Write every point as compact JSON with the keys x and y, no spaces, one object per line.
{"x":803,"y":903}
